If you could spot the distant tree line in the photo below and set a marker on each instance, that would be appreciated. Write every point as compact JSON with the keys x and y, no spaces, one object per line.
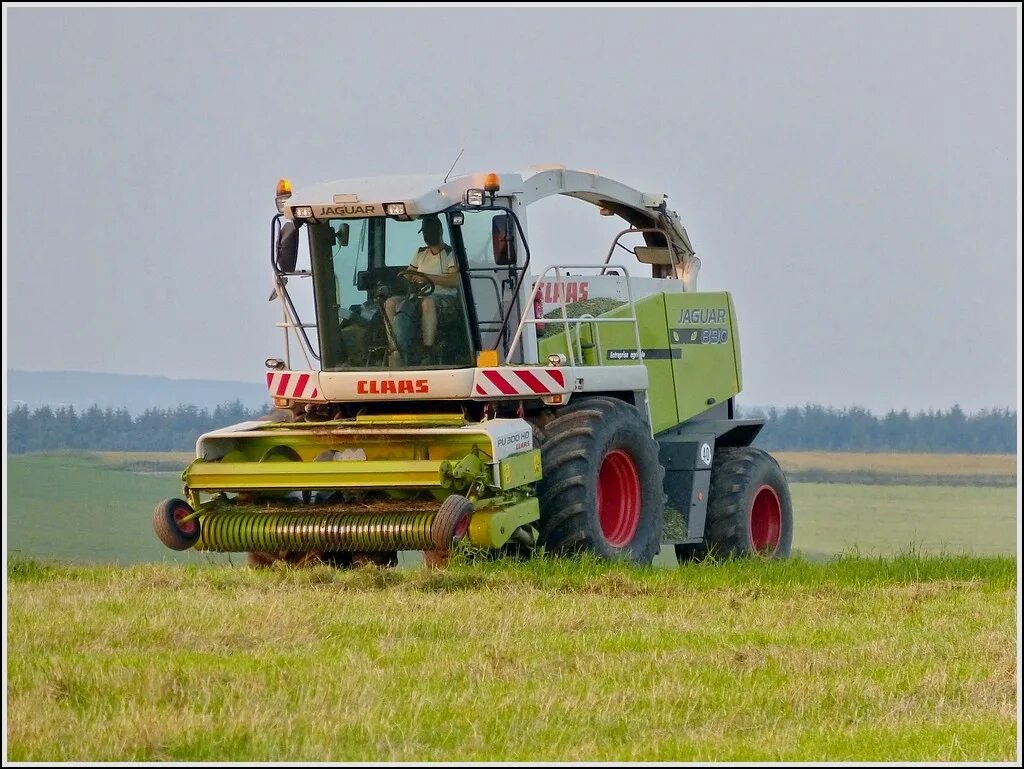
{"x":810,"y":428}
{"x":817,"y":428}
{"x":48,"y":429}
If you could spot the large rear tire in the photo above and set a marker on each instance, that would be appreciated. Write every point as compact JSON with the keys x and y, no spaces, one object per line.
{"x":602,"y":486}
{"x":750,"y":512}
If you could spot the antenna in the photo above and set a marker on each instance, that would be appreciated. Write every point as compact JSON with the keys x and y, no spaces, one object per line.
{"x":453,"y":165}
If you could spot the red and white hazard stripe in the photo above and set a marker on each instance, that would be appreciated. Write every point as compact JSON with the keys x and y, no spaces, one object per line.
{"x":300,"y":385}
{"x":519,"y":381}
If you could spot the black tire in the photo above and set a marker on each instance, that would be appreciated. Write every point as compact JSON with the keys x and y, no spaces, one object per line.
{"x":450,"y":522}
{"x":168,"y":527}
{"x":584,"y":444}
{"x":750,"y":512}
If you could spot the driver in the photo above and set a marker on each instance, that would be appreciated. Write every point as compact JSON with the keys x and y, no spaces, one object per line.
{"x":435,"y":260}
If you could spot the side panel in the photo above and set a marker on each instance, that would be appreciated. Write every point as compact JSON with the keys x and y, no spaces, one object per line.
{"x":687,"y":453}
{"x":705,"y":350}
{"x":687,"y":462}
{"x":614,"y":344}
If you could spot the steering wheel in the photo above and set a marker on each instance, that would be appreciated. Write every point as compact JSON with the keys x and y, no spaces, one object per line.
{"x":422,"y":285}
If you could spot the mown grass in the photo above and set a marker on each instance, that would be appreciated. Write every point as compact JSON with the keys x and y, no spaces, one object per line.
{"x":906,"y":659}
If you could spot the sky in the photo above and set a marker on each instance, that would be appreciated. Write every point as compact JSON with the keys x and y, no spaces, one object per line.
{"x":851,"y":175}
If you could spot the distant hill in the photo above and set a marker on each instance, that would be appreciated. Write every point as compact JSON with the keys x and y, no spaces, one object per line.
{"x":136,"y":393}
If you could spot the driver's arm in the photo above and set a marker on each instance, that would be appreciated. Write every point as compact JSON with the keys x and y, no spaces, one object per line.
{"x":449,"y":280}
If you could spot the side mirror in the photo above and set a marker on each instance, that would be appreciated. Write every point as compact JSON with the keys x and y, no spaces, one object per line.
{"x":342,"y":234}
{"x":503,"y":239}
{"x":287,"y":251}
{"x":653,"y":254}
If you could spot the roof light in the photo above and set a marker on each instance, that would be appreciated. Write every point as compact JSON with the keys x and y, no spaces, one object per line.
{"x":284,"y":191}
{"x":394,"y":209}
{"x":302,"y":212}
{"x":458,"y":218}
{"x":491,"y":182}
{"x":474,"y":197}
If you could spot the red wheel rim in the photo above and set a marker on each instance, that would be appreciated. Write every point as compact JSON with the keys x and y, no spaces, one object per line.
{"x":765,"y":520}
{"x":186,"y":527}
{"x":618,"y":498}
{"x":461,"y":528}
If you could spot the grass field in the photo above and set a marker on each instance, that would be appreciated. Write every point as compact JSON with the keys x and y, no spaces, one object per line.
{"x":907,"y":659}
{"x":915,"y":464}
{"x":88,"y":507}
{"x":998,"y":470}
{"x":83,"y":507}
{"x":188,"y":658}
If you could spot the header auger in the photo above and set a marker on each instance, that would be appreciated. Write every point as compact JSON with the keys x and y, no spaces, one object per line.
{"x":448,"y":393}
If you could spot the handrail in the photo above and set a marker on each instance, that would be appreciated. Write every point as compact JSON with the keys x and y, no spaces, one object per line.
{"x":292,"y":321}
{"x":566,"y":320}
{"x":296,"y":326}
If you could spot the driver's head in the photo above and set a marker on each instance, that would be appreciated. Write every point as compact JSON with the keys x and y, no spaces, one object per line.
{"x":431,"y":230}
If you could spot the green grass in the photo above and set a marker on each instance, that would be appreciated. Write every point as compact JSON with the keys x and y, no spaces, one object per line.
{"x":88,"y":507}
{"x":93,"y":507}
{"x":906,"y":659}
{"x":883,"y":520}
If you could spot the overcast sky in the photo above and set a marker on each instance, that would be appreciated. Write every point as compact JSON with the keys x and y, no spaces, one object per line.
{"x":850,"y":175}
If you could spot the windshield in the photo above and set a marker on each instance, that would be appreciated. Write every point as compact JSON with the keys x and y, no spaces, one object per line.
{"x":388,"y":294}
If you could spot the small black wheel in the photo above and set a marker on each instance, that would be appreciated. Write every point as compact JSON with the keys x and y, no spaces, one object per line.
{"x":451,"y":522}
{"x":169,"y":527}
{"x":750,"y":512}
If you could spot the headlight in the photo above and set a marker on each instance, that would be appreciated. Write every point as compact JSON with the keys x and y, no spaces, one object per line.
{"x":474,"y":197}
{"x":394,"y":209}
{"x":302,"y":212}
